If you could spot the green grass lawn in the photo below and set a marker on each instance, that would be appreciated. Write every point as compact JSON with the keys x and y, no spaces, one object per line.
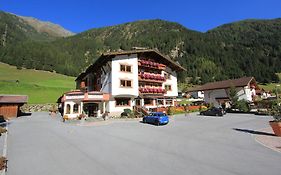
{"x":40,"y":86}
{"x":272,"y":86}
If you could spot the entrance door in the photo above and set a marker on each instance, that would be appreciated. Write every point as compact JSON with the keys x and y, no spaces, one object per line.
{"x":91,"y":109}
{"x":138,"y":102}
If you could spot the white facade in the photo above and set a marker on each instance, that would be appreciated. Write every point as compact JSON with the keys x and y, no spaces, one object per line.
{"x":119,"y":75}
{"x":74,"y":102}
{"x":172,"y":81}
{"x":212,"y":96}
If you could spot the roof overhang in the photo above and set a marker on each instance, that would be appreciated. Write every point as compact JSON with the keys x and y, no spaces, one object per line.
{"x":13,"y":99}
{"x":105,"y":57}
{"x":226,"y":84}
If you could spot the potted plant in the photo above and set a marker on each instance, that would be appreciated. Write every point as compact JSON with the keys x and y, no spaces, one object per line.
{"x":276,"y":123}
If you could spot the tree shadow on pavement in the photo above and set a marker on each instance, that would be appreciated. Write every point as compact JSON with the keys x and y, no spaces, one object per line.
{"x":254,"y":132}
{"x":21,"y":114}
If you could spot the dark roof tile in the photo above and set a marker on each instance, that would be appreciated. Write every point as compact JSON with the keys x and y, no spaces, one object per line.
{"x":240,"y":82}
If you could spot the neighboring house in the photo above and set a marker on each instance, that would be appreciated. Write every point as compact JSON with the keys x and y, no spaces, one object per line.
{"x":10,"y":105}
{"x":197,"y":94}
{"x":217,"y":93}
{"x":124,"y":80}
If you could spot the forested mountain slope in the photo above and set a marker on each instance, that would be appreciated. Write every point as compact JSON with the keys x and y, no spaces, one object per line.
{"x":245,"y":48}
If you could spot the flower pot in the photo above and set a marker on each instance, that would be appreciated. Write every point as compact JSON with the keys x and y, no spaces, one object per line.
{"x":276,"y":127}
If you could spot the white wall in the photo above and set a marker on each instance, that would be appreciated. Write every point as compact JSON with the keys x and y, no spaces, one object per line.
{"x":111,"y":82}
{"x":242,"y":93}
{"x":71,"y":114}
{"x":117,"y":110}
{"x":117,"y":75}
{"x":164,"y":105}
{"x":173,"y":82}
{"x":200,"y":94}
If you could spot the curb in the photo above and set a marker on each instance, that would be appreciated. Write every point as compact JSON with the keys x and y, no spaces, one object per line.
{"x":261,"y":140}
{"x":4,"y":153}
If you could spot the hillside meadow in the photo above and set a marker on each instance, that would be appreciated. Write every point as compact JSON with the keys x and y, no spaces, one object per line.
{"x":40,"y":86}
{"x":272,"y":86}
{"x":45,"y":87}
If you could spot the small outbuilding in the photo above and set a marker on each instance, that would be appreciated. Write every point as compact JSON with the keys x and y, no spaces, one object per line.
{"x":218,"y":93}
{"x":10,"y":105}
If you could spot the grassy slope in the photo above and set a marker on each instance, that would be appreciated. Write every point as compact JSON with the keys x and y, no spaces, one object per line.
{"x":40,"y":86}
{"x":272,"y":86}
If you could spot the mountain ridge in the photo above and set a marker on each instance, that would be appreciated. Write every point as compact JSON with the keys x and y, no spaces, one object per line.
{"x":47,"y":27}
{"x":224,"y":52}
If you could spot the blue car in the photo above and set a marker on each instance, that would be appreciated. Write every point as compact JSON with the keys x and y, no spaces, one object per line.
{"x":157,"y":118}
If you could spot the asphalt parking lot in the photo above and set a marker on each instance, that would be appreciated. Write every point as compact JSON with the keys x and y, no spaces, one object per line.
{"x":40,"y":144}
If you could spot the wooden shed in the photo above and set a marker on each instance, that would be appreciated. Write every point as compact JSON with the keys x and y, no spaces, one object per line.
{"x":10,"y":105}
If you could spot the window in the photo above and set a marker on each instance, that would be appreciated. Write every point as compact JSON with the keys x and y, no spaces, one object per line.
{"x":122,"y":68}
{"x":148,"y":101}
{"x":129,"y":84}
{"x":160,"y":102}
{"x":168,"y":87}
{"x":167,"y":75}
{"x":68,"y":109}
{"x":125,"y":83}
{"x":122,"y":101}
{"x":76,"y":108}
{"x":128,"y":69}
{"x":169,"y":102}
{"x":125,"y":68}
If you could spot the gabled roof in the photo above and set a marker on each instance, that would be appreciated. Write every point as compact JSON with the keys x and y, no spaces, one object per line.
{"x":13,"y":98}
{"x":108,"y":56}
{"x":240,"y":82}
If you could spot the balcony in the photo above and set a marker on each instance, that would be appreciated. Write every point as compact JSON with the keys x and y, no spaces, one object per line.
{"x":151,"y":64}
{"x":152,"y":90}
{"x":78,"y":95}
{"x":157,"y":78}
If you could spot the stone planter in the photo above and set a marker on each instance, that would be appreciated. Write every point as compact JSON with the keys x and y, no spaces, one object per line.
{"x":276,"y":127}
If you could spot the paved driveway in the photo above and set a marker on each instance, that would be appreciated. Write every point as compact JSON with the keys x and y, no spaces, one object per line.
{"x":41,"y":145}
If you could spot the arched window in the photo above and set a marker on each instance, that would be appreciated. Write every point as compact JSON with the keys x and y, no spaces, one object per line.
{"x":76,"y":108}
{"x":68,"y":109}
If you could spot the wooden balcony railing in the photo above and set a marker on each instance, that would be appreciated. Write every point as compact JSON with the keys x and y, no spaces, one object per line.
{"x":152,"y":90}
{"x":152,"y":77}
{"x":151,"y":64}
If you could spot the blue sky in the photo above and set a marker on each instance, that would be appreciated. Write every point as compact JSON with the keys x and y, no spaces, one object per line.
{"x":200,"y":15}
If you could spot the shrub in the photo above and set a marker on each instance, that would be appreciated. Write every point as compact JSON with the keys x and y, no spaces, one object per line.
{"x":53,"y":109}
{"x":243,"y":106}
{"x":275,"y":111}
{"x":171,"y":110}
{"x":127,"y":113}
{"x":3,"y":163}
{"x":2,"y":130}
